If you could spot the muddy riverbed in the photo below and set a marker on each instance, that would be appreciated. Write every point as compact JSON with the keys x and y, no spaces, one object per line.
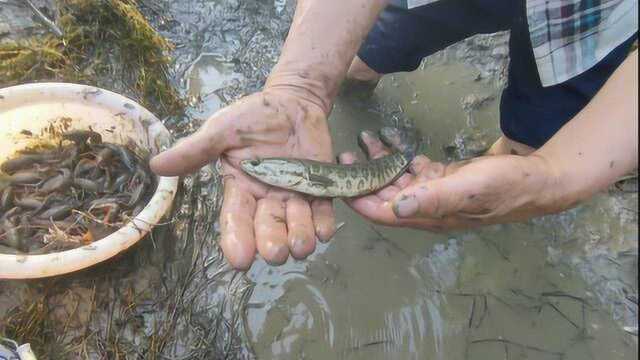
{"x":562,"y":286}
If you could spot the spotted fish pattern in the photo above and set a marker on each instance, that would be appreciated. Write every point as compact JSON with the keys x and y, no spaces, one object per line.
{"x":329,"y":180}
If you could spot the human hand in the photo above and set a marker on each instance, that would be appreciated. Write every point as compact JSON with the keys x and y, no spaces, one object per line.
{"x":438,"y":197}
{"x":271,"y":123}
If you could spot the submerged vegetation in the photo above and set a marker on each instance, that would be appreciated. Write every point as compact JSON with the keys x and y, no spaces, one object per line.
{"x":102,"y":39}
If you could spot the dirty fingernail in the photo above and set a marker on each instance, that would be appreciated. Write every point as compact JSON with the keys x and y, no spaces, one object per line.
{"x":405,"y":207}
{"x":368,"y":134}
{"x":327,"y":233}
{"x":277,"y":256}
{"x":299,"y":248}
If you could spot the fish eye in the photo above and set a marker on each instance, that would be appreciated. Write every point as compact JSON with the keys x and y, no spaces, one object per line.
{"x":254,"y":162}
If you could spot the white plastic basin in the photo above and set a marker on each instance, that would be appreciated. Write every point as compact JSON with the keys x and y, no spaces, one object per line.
{"x":35,"y":108}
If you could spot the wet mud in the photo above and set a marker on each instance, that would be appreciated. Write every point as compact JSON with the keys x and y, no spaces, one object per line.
{"x":502,"y":292}
{"x":559,"y":287}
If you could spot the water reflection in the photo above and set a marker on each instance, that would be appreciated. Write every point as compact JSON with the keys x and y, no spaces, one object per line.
{"x":206,"y":77}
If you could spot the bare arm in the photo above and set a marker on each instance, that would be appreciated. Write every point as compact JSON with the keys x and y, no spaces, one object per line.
{"x":323,"y":40}
{"x":601,"y":143}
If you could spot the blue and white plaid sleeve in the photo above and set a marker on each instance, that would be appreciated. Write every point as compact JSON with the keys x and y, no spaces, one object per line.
{"x":571,"y":36}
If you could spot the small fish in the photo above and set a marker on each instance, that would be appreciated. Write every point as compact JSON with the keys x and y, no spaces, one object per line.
{"x":57,"y":182}
{"x":28,"y":203}
{"x":25,"y":178}
{"x":26,"y":160}
{"x":69,"y":157}
{"x":116,"y":199}
{"x":83,"y":166}
{"x":127,"y":157}
{"x":61,"y":224}
{"x":56,"y":213}
{"x":20,"y":163}
{"x":103,"y":156}
{"x":86,"y":184}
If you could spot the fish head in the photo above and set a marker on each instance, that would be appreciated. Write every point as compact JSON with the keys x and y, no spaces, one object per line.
{"x":286,"y":173}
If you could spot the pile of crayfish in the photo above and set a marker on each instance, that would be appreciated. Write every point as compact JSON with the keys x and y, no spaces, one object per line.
{"x":70,"y":195}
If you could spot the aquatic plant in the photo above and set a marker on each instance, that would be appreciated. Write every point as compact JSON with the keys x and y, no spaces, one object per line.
{"x":102,"y":39}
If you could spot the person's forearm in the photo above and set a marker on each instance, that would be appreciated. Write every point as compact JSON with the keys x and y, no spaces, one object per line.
{"x":323,"y":39}
{"x":600,"y":144}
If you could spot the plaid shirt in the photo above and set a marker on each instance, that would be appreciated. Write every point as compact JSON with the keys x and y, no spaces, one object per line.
{"x":571,"y":36}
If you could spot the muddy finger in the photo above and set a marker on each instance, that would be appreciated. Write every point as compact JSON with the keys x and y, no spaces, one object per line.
{"x":271,"y":231}
{"x":324,"y":220}
{"x":236,"y":222}
{"x":301,"y":236}
{"x":371,"y":145}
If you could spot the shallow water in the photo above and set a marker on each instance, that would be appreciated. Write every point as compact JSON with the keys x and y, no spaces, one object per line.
{"x":205,"y":78}
{"x":556,"y":285}
{"x":381,"y":293}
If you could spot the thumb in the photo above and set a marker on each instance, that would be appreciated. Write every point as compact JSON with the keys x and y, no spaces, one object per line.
{"x":195,"y":151}
{"x":433,"y":199}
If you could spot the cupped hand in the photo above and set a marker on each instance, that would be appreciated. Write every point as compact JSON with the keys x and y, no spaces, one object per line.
{"x":256,"y":216}
{"x":438,"y":197}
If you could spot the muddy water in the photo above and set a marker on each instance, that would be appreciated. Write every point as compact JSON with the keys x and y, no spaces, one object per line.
{"x":531,"y":290}
{"x":382,"y":293}
{"x":558,"y":287}
{"x":206,"y":77}
{"x":457,"y":113}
